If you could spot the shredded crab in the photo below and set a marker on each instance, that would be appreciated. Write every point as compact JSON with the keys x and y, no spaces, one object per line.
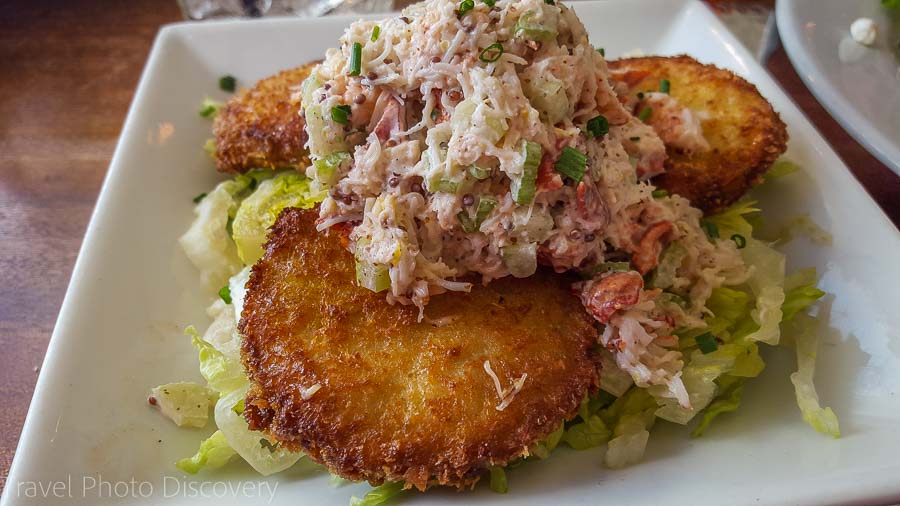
{"x":506,"y":395}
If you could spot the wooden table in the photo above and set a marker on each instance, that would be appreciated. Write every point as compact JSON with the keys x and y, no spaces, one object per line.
{"x":67,"y":74}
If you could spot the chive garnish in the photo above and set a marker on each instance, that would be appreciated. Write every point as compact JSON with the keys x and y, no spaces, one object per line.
{"x":571,"y":163}
{"x":200,"y":197}
{"x":658,"y":194}
{"x":490,"y":3}
{"x":491,"y":53}
{"x":634,"y":139}
{"x":356,"y":59}
{"x":549,"y":2}
{"x":465,"y":6}
{"x":598,"y":126}
{"x":601,"y":51}
{"x":376,"y":31}
{"x":740,"y":240}
{"x":645,"y":113}
{"x":664,"y":86}
{"x":640,"y":95}
{"x":225,"y":294}
{"x":227,"y":83}
{"x":340,"y":114}
{"x":711,"y":229}
{"x":707,"y":343}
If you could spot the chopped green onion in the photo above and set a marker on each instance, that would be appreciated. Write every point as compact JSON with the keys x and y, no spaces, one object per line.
{"x":200,"y":197}
{"x":466,"y":222}
{"x":209,"y":107}
{"x":227,"y":83}
{"x":465,"y":6}
{"x":479,"y":172}
{"x":664,"y":86}
{"x":571,"y":163}
{"x":640,"y":95}
{"x":490,"y":3}
{"x":740,"y":240}
{"x":645,"y":113}
{"x":376,"y":31}
{"x":498,"y":475}
{"x":658,"y":194}
{"x":601,"y":51}
{"x":340,"y":114}
{"x":356,"y":59}
{"x":375,"y":277}
{"x":634,"y":139}
{"x":598,"y":126}
{"x":485,"y":205}
{"x":491,"y":53}
{"x":225,"y":294}
{"x":522,"y":187}
{"x":707,"y":343}
{"x":712,"y":230}
{"x":549,"y":2}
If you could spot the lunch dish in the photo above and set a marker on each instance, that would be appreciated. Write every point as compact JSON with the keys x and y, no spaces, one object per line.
{"x":457,"y":254}
{"x":856,"y":83}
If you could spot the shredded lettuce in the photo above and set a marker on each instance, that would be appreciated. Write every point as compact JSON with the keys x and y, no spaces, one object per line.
{"x":260,"y":210}
{"x":542,"y":449}
{"x":733,"y":220}
{"x":498,"y":480}
{"x":767,"y":283}
{"x":730,"y":390}
{"x":378,"y":495}
{"x":632,"y":417}
{"x":800,"y":293}
{"x":214,"y":452}
{"x":222,"y":373}
{"x":822,"y":419}
{"x":780,"y":169}
{"x":185,"y":403}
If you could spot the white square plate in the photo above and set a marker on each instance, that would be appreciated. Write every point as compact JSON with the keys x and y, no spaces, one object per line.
{"x":132,"y":292}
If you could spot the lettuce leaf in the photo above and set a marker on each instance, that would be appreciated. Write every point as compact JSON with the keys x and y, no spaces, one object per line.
{"x":222,"y":373}
{"x":214,"y":452}
{"x":542,"y":449}
{"x":822,"y":419}
{"x":498,"y":480}
{"x":185,"y":403}
{"x":207,"y":243}
{"x":260,"y":210}
{"x":733,"y":219}
{"x":767,"y":283}
{"x":378,"y":495}
{"x":632,"y":416}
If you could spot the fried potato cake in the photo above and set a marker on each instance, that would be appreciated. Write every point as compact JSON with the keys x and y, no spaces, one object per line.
{"x":372,"y":394}
{"x":261,"y":127}
{"x":745,"y":133}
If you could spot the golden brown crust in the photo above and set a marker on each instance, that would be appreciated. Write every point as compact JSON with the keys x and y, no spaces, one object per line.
{"x":261,"y":127}
{"x":401,"y":400}
{"x":744,"y":131}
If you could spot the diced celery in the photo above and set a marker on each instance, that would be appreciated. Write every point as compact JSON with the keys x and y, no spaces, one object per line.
{"x":375,"y":277}
{"x":318,"y":128}
{"x":479,"y":172}
{"x":326,"y":167}
{"x":485,"y":205}
{"x":530,"y":27}
{"x":309,"y":86}
{"x":523,"y":186}
{"x":520,"y":259}
{"x":548,"y":95}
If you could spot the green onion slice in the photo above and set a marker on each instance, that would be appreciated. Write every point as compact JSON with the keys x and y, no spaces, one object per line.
{"x":549,"y":2}
{"x":664,"y":86}
{"x":491,"y":53}
{"x":645,"y":113}
{"x":740,"y":240}
{"x":376,"y":31}
{"x":490,"y":3}
{"x":598,"y":126}
{"x":465,"y":6}
{"x":658,"y":194}
{"x":707,"y":343}
{"x":340,"y":114}
{"x":356,"y":59}
{"x":634,"y":139}
{"x":225,"y":294}
{"x":209,"y":107}
{"x":571,"y":163}
{"x":200,"y":197}
{"x":227,"y":83}
{"x":601,"y":51}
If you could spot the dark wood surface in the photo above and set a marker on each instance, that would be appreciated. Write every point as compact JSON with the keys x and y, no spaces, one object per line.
{"x":68,"y":71}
